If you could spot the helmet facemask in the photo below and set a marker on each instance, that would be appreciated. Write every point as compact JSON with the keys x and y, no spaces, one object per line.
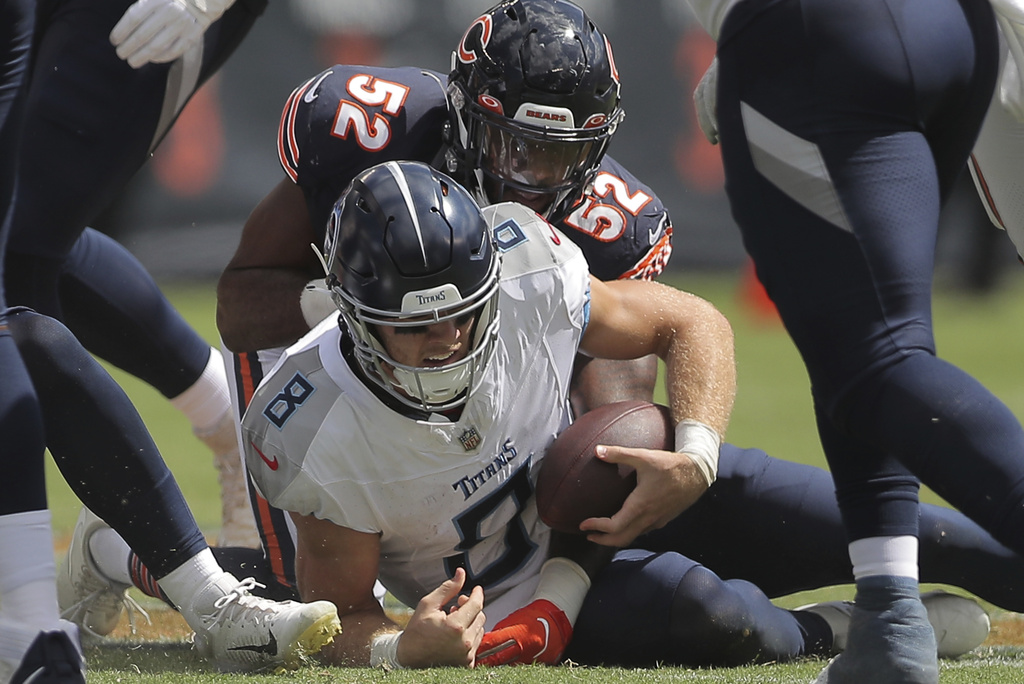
{"x":436,"y":388}
{"x":557,"y":162}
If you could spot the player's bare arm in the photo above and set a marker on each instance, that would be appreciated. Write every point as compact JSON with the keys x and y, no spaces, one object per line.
{"x":258,"y":293}
{"x":635,"y":318}
{"x":340,"y":565}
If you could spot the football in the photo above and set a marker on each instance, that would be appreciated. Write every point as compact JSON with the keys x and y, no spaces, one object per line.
{"x":573,"y":484}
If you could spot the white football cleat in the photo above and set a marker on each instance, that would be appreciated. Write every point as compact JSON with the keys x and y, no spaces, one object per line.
{"x":238,"y":527}
{"x":960,"y":624}
{"x":85,"y":596}
{"x":246,"y":633}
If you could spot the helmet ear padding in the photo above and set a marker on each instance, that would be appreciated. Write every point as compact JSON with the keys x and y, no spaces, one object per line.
{"x":408,"y":247}
{"x":538,"y":72}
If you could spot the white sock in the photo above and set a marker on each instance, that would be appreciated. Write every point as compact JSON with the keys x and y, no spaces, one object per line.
{"x":207,"y":400}
{"x":28,"y":573}
{"x":874,"y":556}
{"x":195,"y":585}
{"x":110,"y":553}
{"x":15,"y":638}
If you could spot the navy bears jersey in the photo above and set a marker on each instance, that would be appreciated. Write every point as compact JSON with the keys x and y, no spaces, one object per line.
{"x":348,"y":118}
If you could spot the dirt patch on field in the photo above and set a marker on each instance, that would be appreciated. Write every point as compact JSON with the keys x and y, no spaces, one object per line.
{"x":1007,"y":630}
{"x":163,"y":624}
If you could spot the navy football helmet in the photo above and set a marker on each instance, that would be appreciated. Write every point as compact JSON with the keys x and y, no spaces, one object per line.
{"x":407,"y":246}
{"x":535,"y":102}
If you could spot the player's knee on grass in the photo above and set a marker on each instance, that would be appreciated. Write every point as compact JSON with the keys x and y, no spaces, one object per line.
{"x":626,"y":616}
{"x":650,"y":607}
{"x":730,"y":623}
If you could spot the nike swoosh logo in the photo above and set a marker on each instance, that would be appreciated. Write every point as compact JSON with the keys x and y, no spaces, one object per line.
{"x":311,"y":93}
{"x":547,"y":634}
{"x":270,"y":648}
{"x":272,"y":464}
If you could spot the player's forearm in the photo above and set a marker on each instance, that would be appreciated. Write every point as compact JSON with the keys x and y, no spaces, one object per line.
{"x":631,"y":319}
{"x":258,"y":308}
{"x":700,"y":362}
{"x":593,"y":558}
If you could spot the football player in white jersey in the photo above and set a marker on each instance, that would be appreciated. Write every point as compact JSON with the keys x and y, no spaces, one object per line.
{"x":527,"y":58}
{"x":404,"y":441}
{"x":404,"y":436}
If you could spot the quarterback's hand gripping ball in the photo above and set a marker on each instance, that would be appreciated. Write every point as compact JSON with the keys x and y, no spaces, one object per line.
{"x":536,"y":633}
{"x":574,"y":484}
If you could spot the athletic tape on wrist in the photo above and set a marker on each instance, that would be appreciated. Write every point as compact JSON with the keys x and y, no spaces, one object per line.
{"x":384,"y":651}
{"x":702,"y":443}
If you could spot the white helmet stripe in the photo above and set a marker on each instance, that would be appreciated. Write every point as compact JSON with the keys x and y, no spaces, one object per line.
{"x":403,"y":186}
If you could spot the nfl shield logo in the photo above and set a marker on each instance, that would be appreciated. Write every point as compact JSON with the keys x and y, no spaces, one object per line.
{"x":470,"y":439}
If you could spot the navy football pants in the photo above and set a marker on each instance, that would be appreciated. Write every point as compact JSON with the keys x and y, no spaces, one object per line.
{"x":843,"y":127}
{"x":102,"y":447}
{"x":23,"y":485}
{"x":90,"y":123}
{"x":696,"y":591}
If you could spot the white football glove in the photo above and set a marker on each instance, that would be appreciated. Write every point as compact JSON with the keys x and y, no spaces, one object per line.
{"x":163,"y":30}
{"x":705,"y":99}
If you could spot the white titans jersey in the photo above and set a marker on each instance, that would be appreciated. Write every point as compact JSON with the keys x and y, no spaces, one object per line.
{"x":441,"y":494}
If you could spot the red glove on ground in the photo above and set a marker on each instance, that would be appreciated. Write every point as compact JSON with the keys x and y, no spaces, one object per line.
{"x":536,"y":633}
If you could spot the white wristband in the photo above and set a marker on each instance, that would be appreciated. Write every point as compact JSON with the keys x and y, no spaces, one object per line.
{"x":316,"y":302}
{"x":702,"y":443}
{"x":384,"y":651}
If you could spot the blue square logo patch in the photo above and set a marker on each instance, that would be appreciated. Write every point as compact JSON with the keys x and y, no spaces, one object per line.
{"x":508,"y":235}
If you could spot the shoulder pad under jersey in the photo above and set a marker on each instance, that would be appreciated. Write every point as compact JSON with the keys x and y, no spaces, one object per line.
{"x":283,"y":418}
{"x":621,"y":225}
{"x":544,"y":276}
{"x":527,"y":242}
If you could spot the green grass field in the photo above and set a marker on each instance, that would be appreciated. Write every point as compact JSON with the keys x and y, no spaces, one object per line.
{"x":982,"y":335}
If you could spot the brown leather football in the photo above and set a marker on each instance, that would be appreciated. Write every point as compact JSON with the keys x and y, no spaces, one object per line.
{"x":573,"y":484}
